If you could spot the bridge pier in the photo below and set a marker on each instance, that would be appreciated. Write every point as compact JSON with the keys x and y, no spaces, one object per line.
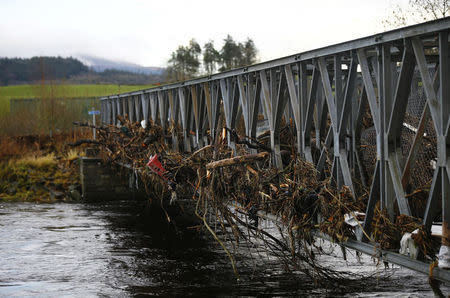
{"x":99,"y":182}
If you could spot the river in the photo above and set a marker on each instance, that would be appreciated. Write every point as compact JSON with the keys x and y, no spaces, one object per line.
{"x":116,"y":249}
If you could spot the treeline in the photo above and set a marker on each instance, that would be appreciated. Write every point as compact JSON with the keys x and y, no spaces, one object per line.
{"x":20,"y":70}
{"x":191,"y":60}
{"x":186,"y":62}
{"x":120,"y":77}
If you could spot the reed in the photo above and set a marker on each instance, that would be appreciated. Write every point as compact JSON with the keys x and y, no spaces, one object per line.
{"x":34,"y":161}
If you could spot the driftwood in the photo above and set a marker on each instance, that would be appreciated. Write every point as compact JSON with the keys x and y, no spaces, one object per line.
{"x":236,"y":160}
{"x":250,"y":142}
{"x":81,"y":142}
{"x":196,"y":153}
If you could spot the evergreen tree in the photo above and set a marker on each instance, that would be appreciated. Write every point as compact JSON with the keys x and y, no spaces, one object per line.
{"x":211,"y":57}
{"x":249,"y":53}
{"x":184,"y":62}
{"x":237,"y":54}
{"x":231,"y":54}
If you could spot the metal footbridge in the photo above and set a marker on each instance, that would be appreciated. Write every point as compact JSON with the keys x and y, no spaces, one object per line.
{"x":377,"y":108}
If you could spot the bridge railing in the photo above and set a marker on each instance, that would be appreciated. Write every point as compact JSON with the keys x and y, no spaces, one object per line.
{"x":377,"y":108}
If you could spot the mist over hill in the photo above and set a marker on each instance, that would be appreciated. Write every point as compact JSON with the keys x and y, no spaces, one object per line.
{"x":26,"y":70}
{"x":101,"y":64}
{"x":88,"y":70}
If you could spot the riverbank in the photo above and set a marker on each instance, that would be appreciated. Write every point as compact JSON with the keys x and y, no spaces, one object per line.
{"x":39,"y":169}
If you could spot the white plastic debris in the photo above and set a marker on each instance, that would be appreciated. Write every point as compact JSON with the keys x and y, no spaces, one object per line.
{"x":144,"y":124}
{"x":173,"y":198}
{"x":408,"y":247}
{"x":444,"y":257}
{"x":137,"y":178}
{"x":352,"y":218}
{"x":436,"y":231}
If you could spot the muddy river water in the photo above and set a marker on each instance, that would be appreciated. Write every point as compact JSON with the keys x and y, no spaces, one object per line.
{"x":115,"y":249}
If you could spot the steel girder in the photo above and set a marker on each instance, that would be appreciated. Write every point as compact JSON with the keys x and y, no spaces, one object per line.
{"x":329,"y":93}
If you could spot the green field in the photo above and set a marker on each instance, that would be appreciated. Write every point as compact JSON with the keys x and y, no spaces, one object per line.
{"x":40,"y":109}
{"x":60,"y":91}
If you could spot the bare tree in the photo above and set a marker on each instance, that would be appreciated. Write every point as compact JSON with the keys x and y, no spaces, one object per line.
{"x":417,"y":11}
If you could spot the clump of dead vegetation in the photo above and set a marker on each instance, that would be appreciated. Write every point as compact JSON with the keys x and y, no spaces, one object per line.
{"x":39,"y":168}
{"x":239,"y":188}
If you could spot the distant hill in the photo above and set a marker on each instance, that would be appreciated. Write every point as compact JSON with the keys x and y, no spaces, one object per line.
{"x":20,"y":70}
{"x":100,"y":64}
{"x":112,"y":76}
{"x":15,"y":71}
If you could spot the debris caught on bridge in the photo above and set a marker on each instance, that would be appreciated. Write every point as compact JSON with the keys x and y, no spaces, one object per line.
{"x":226,"y":184}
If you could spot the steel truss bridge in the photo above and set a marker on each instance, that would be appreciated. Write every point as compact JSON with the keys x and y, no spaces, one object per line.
{"x":337,"y":96}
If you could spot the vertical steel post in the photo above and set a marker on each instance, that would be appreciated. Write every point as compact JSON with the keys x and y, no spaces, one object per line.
{"x":124,"y":107}
{"x":114,"y":110}
{"x":295,"y":95}
{"x":119,"y":108}
{"x":137,"y":107}
{"x":103,"y":110}
{"x":444,"y":143}
{"x":185,"y":117}
{"x":230,"y":98}
{"x":130,"y":108}
{"x":174,"y":105}
{"x":94,"y":131}
{"x":386,"y":98}
{"x":154,"y":106}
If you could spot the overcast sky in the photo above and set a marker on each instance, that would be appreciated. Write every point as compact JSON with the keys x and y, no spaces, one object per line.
{"x":146,"y":32}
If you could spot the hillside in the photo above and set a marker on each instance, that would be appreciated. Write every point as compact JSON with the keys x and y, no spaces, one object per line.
{"x":19,"y":70}
{"x":112,"y":76}
{"x":98,"y":64}
{"x":15,"y":71}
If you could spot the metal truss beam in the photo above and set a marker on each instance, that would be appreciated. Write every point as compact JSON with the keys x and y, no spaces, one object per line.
{"x":328,"y":93}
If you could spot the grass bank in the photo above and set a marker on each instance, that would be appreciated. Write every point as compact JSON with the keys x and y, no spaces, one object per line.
{"x":39,"y":169}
